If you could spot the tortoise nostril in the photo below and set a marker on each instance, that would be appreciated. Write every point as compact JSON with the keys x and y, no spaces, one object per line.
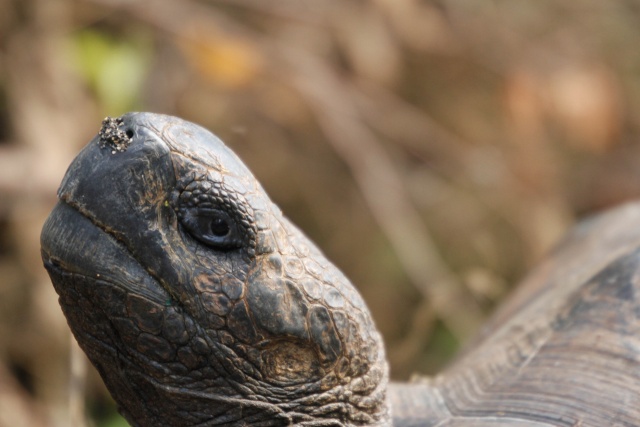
{"x":113,"y":136}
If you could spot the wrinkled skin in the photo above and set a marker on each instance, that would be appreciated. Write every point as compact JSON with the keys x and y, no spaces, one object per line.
{"x":201,"y":305}
{"x":188,"y":326}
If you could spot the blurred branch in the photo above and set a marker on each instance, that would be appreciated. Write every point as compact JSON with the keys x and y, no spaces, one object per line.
{"x":186,"y":19}
{"x":307,"y":12}
{"x":16,"y":407}
{"x":385,"y":193}
{"x":77,"y":383}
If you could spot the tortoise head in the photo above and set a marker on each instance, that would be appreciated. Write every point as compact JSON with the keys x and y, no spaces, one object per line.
{"x":197,"y":301}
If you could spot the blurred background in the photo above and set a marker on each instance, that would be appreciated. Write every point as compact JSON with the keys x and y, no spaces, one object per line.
{"x":434,"y":149}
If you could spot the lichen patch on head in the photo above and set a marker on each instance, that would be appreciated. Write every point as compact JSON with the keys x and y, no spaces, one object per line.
{"x":113,"y":136}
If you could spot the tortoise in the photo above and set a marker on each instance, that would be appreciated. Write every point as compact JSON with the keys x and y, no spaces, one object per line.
{"x":200,"y":304}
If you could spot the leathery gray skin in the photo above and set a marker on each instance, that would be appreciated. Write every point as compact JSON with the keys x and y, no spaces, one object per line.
{"x":196,"y":300}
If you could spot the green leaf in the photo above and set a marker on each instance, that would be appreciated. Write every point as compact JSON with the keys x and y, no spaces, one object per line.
{"x":114,"y":68}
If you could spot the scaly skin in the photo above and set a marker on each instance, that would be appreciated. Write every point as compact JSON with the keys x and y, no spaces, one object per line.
{"x":198,"y":302}
{"x":201,"y":305}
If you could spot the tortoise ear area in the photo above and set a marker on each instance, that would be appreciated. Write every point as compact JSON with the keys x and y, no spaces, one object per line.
{"x":302,"y":343}
{"x":290,"y":362}
{"x":283,"y":312}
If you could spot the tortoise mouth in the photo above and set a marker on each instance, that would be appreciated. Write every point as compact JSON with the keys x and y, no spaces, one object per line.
{"x":72,"y":243}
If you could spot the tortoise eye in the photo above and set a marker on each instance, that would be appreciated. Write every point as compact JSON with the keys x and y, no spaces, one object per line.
{"x":213,"y":227}
{"x":219,"y":227}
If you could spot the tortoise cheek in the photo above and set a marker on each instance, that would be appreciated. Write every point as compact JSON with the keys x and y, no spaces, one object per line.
{"x":290,"y":362}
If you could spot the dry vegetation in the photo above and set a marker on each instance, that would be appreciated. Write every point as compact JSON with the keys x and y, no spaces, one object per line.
{"x":434,"y":149}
